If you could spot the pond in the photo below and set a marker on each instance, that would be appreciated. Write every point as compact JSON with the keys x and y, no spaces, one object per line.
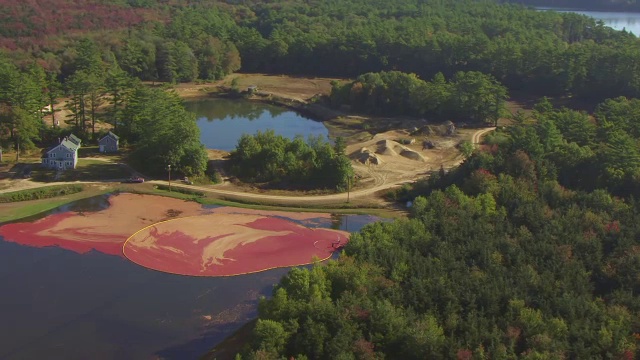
{"x":69,"y":302}
{"x":617,"y":20}
{"x":223,"y":121}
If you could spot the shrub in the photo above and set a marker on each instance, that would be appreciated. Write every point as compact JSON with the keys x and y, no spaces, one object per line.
{"x":40,"y":193}
{"x":181,"y":190}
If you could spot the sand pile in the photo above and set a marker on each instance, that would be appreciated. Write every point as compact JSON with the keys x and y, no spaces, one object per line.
{"x":393,"y":148}
{"x":387,"y":147}
{"x":413,"y":155}
{"x":365,"y":156}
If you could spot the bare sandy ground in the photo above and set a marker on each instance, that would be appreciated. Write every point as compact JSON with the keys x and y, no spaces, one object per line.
{"x":291,"y":87}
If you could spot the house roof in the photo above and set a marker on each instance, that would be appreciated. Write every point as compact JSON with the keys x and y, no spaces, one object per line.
{"x":110,"y":134}
{"x":68,"y":144}
{"x":74,"y":139}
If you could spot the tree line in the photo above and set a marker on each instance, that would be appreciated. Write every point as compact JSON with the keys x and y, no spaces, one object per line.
{"x":470,"y":96}
{"x":543,"y":53}
{"x":281,"y":162}
{"x":511,"y":255}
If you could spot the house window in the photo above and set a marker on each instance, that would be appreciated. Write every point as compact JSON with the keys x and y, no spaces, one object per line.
{"x":68,"y":155}
{"x":68,"y":163}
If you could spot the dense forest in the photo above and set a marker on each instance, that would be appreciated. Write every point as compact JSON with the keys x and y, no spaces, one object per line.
{"x":522,"y":252}
{"x":543,"y":53}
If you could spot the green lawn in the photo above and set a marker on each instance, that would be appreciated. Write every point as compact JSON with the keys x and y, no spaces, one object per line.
{"x":19,"y":210}
{"x":87,"y":170}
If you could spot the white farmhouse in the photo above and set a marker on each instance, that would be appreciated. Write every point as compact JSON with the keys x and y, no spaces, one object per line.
{"x":64,"y":155}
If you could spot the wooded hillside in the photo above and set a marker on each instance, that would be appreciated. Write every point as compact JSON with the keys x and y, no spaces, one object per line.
{"x":35,"y":21}
{"x":519,"y":253}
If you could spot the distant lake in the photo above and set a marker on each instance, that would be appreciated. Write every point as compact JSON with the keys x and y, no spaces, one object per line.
{"x":223,"y":121}
{"x":616,"y":20}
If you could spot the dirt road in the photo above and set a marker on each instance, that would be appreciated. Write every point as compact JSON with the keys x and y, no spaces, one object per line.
{"x":477,"y":136}
{"x":381,"y":183}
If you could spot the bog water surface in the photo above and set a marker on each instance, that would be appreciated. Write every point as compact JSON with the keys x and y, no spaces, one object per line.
{"x":223,"y":121}
{"x":59,"y":304}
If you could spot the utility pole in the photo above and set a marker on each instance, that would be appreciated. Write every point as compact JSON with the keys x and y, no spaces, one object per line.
{"x":169,"y":168}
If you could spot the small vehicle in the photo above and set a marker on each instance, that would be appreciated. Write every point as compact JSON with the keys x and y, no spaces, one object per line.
{"x":134,"y":179}
{"x":187,"y":181}
{"x":26,"y":173}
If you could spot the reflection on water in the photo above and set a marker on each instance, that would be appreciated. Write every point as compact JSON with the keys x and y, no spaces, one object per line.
{"x":58,"y":304}
{"x":223,"y":121}
{"x":345,"y":222}
{"x":94,"y":203}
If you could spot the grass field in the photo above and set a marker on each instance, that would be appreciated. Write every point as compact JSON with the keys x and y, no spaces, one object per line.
{"x":88,"y":169}
{"x":19,"y":210}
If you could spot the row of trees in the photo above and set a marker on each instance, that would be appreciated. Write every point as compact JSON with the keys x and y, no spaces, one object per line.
{"x":269,"y":158}
{"x":156,"y":58}
{"x":501,"y":258}
{"x":21,"y":98}
{"x":467,"y":96}
{"x":538,"y":52}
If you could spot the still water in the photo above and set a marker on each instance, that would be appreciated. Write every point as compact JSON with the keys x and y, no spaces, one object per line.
{"x":616,"y":20}
{"x":223,"y":121}
{"x":58,"y":304}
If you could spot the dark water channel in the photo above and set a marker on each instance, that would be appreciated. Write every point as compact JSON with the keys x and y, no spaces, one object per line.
{"x":58,"y":304}
{"x":223,"y":121}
